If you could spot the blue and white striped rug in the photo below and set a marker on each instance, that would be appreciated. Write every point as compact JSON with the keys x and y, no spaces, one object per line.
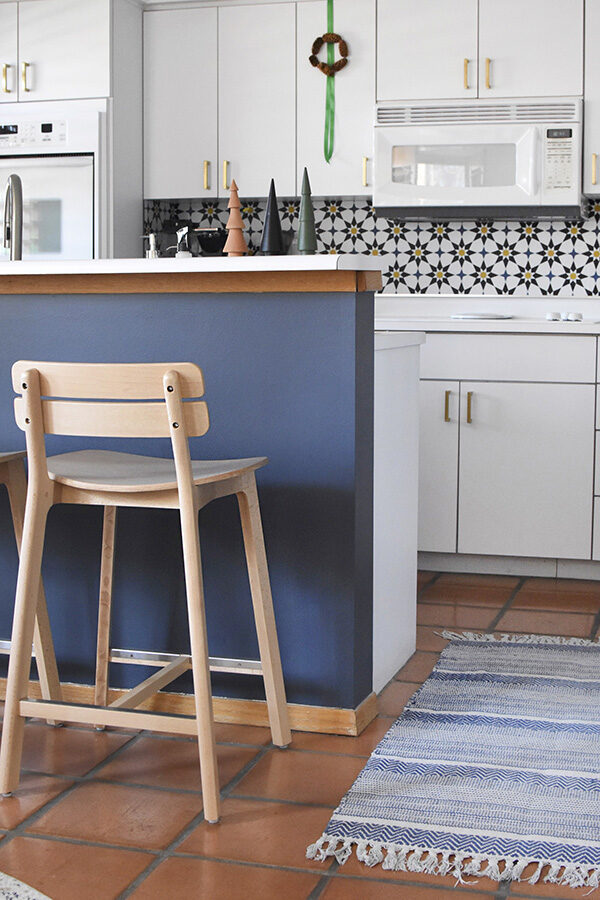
{"x":493,"y":765}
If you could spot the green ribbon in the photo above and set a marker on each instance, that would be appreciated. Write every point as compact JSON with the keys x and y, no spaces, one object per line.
{"x":329,"y":91}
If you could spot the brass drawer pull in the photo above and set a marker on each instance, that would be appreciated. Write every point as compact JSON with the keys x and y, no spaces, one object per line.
{"x":447,"y":406}
{"x":466,"y":74}
{"x":488,"y":63}
{"x":469,"y":407}
{"x":5,"y":87}
{"x":206,"y":185}
{"x":594,"y":168}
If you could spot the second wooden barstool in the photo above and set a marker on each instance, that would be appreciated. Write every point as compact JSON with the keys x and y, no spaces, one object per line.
{"x":115,"y":401}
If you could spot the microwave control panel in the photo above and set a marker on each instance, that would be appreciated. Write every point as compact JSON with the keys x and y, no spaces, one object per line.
{"x":32,"y":134}
{"x":558,"y":162}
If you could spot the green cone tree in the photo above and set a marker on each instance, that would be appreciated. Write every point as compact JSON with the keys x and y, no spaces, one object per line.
{"x":307,"y":235}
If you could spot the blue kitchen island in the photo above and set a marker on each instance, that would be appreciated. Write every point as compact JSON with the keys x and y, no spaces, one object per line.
{"x":287,"y":350}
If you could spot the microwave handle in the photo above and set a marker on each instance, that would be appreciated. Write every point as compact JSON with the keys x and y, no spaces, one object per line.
{"x":536,"y":163}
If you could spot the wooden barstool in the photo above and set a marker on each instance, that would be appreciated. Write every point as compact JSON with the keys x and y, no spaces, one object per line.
{"x":12,"y":475}
{"x":111,"y":479}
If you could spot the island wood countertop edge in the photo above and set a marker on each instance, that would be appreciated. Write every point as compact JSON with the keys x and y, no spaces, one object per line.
{"x":291,"y":281}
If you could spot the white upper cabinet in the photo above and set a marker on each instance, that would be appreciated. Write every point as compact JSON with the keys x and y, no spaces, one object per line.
{"x":180,"y":103}
{"x":479,"y":48}
{"x":8,"y":53}
{"x":426,"y":50}
{"x":257,"y":98}
{"x":591,"y":118}
{"x":530,"y":49}
{"x":64,"y":49}
{"x":350,"y":170}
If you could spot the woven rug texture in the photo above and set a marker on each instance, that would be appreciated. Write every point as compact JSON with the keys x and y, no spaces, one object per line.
{"x":493,"y":765}
{"x":11,"y":889}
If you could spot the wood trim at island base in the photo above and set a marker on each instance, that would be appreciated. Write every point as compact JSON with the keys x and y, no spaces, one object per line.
{"x":232,"y":711}
{"x":336,"y":281}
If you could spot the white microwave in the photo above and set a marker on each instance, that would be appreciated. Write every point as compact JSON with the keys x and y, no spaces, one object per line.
{"x":494,"y":158}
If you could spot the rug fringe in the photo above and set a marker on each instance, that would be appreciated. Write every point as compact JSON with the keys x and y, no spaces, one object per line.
{"x":409,"y":858}
{"x":503,"y":638}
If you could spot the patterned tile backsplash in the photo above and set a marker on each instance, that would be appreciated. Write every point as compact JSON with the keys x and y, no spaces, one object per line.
{"x":559,"y":258}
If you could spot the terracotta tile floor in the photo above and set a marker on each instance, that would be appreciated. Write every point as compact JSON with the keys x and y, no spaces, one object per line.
{"x":113,"y":815}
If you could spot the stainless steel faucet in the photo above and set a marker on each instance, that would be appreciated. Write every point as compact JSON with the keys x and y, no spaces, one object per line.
{"x":13,"y":217}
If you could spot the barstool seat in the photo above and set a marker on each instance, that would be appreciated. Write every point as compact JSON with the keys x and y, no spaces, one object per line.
{"x":110,"y":470}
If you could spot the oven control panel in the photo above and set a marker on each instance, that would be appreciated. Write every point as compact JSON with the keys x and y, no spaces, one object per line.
{"x":32,"y":134}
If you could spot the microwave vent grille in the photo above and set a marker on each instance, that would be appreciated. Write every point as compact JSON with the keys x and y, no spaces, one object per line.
{"x":474,"y":113}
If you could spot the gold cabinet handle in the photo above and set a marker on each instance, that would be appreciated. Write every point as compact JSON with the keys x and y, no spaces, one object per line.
{"x":24,"y":67}
{"x":5,"y":87}
{"x":206,"y":184}
{"x":488,"y":63}
{"x":365,"y":159}
{"x":594,"y":168}
{"x":466,"y":73}
{"x":225,"y":164}
{"x":469,"y":407}
{"x":447,"y":406}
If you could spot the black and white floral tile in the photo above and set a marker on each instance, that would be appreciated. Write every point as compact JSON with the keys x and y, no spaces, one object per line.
{"x":559,"y":258}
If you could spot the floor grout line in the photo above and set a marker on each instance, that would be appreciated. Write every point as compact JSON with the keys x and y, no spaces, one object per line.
{"x":497,"y":618}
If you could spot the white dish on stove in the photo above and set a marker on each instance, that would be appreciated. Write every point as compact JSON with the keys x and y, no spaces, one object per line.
{"x":481,"y":315}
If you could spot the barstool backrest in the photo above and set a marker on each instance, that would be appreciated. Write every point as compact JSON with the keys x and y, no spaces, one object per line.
{"x":109,"y":400}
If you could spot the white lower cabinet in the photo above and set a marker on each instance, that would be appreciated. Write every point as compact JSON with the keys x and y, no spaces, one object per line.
{"x":526,"y":470}
{"x":438,"y":465}
{"x":507,"y":446}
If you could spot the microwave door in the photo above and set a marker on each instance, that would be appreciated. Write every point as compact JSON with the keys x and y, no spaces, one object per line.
{"x":58,"y":205}
{"x":456,"y":166}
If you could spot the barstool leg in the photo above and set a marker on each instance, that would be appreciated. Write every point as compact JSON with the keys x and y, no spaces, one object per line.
{"x":264,"y":615}
{"x":105,"y":606}
{"x":28,"y":586}
{"x":200,"y":666}
{"x":45,"y":658}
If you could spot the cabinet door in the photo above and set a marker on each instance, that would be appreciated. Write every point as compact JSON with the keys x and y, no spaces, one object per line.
{"x":422,"y":49}
{"x":8,"y":52}
{"x":535,"y":49}
{"x":438,"y":465}
{"x":257,"y":98}
{"x":65,"y":45}
{"x":180,"y":103}
{"x":526,"y":470}
{"x":591,"y":118}
{"x":350,"y":170}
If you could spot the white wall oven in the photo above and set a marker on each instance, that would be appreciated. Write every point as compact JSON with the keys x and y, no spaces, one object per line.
{"x":59,"y":150}
{"x":479,"y":159}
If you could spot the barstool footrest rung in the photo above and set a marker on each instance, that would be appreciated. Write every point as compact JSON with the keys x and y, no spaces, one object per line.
{"x":86,"y":714}
{"x":216,"y":663}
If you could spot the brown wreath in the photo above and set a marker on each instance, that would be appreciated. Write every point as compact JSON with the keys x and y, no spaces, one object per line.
{"x":329,"y":38}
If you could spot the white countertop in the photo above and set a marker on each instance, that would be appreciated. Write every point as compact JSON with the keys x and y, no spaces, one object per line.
{"x":325,"y":262}
{"x":396,"y":340}
{"x":433,"y":312}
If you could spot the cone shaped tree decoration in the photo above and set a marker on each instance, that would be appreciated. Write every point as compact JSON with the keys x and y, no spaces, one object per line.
{"x":272,"y":241}
{"x":235,"y":245}
{"x":307,"y":235}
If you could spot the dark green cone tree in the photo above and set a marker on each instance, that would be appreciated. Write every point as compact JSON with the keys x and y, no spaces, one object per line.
{"x":307,"y":235}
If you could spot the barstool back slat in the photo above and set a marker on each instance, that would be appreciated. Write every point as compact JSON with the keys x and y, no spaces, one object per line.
{"x":114,"y":381}
{"x":116,"y":420}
